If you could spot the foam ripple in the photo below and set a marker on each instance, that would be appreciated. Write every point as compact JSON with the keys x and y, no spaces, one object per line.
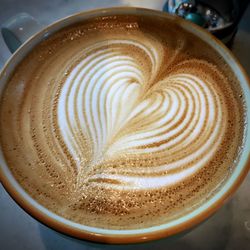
{"x":122,"y":112}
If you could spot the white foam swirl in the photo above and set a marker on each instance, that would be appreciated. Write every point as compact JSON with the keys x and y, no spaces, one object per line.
{"x":175,"y":123}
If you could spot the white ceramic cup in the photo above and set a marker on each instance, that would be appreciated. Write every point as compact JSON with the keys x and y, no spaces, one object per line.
{"x":15,"y":32}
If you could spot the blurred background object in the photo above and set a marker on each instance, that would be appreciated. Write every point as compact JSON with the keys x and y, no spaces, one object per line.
{"x":228,"y":229}
{"x":220,"y":17}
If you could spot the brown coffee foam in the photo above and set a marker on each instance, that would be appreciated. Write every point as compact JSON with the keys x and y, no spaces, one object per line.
{"x":40,"y":161}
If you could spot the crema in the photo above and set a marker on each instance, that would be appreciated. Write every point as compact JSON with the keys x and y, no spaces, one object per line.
{"x":122,"y":122}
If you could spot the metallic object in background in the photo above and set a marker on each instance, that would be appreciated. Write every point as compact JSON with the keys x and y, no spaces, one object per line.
{"x":220,"y":17}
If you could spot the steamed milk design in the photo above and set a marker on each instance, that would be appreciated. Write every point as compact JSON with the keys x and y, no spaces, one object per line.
{"x":117,"y":124}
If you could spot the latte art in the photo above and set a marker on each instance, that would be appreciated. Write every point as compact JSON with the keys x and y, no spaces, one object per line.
{"x":113,"y":123}
{"x":109,"y":101}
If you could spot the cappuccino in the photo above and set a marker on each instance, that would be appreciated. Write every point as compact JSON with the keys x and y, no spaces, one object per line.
{"x":122,"y":122}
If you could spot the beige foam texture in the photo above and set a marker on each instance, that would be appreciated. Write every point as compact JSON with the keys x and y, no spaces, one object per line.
{"x":41,"y":162}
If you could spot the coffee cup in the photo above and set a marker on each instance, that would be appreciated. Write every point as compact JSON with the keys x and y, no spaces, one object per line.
{"x":26,"y":198}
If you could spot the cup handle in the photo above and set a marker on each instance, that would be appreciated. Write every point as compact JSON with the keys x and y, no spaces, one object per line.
{"x":18,"y":29}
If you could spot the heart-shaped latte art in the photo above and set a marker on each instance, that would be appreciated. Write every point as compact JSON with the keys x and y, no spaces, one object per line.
{"x":129,"y":126}
{"x":116,"y":124}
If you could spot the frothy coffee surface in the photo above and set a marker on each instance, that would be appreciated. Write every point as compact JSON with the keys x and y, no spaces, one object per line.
{"x":122,"y":122}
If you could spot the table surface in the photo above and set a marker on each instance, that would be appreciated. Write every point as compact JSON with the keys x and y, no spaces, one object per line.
{"x":228,"y":229}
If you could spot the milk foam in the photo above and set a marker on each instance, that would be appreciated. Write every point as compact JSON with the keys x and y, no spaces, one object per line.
{"x":119,"y":125}
{"x":107,"y":91}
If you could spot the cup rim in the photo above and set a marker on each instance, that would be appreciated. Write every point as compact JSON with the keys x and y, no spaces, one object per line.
{"x":50,"y":219}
